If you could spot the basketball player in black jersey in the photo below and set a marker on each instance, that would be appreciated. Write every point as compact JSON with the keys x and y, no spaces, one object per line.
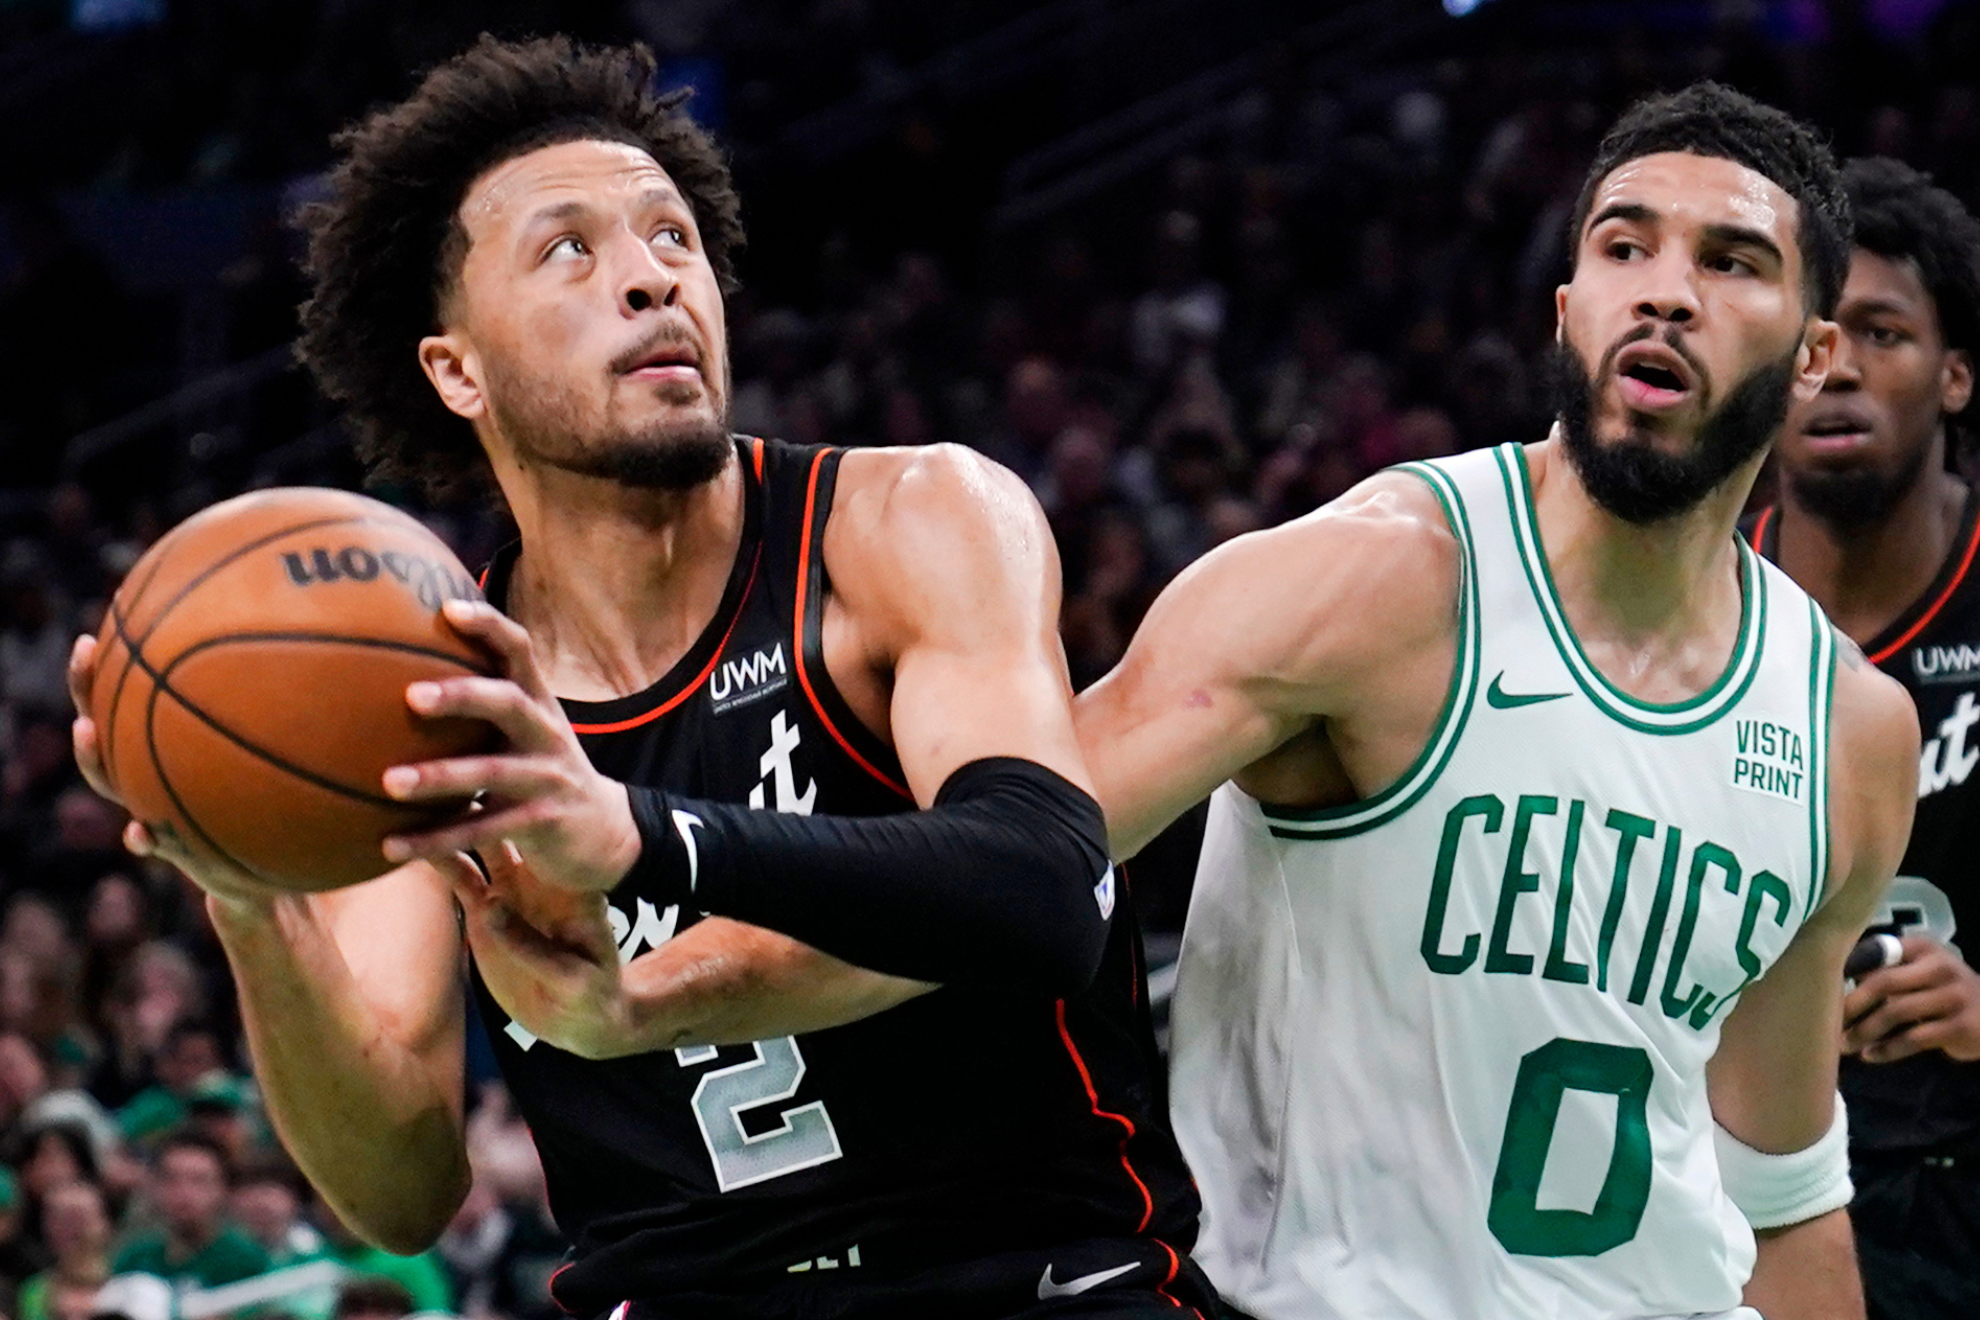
{"x":734,"y":670}
{"x":1879,"y":527}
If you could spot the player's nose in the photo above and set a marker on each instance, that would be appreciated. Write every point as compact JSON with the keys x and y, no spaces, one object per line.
{"x":1669,"y":289}
{"x":643,"y":280}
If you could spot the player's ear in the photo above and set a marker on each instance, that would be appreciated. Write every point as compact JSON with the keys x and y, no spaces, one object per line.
{"x":1956,"y":381}
{"x":1815,"y":356}
{"x":1560,"y":314}
{"x":451,"y":364}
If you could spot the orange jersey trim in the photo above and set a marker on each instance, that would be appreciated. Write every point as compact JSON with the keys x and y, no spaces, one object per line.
{"x":804,"y":676}
{"x":1127,"y":1124}
{"x":1932,"y":612}
{"x":1175,"y":1268}
{"x":647,"y":717}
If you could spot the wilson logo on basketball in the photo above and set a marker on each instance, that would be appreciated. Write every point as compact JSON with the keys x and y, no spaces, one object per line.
{"x":431,"y":582}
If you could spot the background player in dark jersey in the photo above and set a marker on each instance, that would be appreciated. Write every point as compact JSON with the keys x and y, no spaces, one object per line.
{"x":745,"y":663}
{"x":1879,"y":527}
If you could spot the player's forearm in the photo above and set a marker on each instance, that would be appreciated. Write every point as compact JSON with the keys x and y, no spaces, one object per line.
{"x":726,"y":983}
{"x":377,"y":1129}
{"x":1807,"y":1271}
{"x":1004,"y":880}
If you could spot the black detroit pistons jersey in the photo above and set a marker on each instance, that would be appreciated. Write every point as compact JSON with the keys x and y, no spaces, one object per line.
{"x":968,"y":1122}
{"x":1933,"y":648}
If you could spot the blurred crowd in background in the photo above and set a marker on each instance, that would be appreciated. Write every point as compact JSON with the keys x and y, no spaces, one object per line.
{"x":1187,"y":275}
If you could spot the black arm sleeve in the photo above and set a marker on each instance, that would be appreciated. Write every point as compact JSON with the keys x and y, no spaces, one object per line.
{"x":1004,"y":879}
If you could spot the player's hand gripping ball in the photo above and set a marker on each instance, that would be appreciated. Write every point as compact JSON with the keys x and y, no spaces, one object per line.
{"x":250,"y":684}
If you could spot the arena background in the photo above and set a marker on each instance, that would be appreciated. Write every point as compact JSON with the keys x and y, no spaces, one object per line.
{"x":1188,"y":271}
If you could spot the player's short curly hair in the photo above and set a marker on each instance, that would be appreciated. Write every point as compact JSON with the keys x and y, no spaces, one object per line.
{"x":386,"y":246}
{"x":1903,"y":216}
{"x":1711,"y":119}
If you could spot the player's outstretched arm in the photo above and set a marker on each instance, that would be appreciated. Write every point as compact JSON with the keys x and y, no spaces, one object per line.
{"x":351,"y":1002}
{"x":1773,"y":1080}
{"x":1261,"y":638}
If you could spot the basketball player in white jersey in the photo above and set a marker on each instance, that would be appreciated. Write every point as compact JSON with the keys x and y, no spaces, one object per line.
{"x":1510,"y":981}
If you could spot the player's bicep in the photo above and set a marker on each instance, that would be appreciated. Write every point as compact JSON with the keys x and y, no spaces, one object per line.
{"x":1180,"y":713}
{"x":958,"y":578}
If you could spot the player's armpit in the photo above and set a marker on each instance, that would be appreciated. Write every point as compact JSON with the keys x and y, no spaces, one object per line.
{"x":1258,"y":640}
{"x":352,"y":1005}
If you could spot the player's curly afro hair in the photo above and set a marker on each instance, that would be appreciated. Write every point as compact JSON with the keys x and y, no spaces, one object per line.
{"x":387,"y":245}
{"x":1901,"y":215}
{"x":1711,"y":119}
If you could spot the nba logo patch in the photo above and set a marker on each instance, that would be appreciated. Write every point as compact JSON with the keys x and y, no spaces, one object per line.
{"x":1103,"y":893}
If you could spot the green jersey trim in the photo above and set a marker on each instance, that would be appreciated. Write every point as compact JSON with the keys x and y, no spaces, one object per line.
{"x":1821,"y":702}
{"x":1686,"y":716}
{"x":1356,"y":817}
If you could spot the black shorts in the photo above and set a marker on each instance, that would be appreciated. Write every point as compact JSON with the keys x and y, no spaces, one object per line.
{"x":1100,"y":1279}
{"x":1917,"y":1221}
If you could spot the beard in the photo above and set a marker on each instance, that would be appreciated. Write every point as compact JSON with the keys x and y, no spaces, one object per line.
{"x":541,"y":418}
{"x":1632,"y":478}
{"x":1851,"y":498}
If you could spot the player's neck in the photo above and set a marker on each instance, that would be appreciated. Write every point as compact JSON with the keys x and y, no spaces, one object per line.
{"x":1866,"y":577}
{"x":614,"y":584}
{"x":1655,"y":604}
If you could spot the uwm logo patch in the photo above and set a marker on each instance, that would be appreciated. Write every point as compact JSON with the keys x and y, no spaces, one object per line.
{"x":741,"y":681}
{"x":1946,"y":664}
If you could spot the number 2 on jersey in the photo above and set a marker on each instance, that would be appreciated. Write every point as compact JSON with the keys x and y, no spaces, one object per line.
{"x":1545,"y":1076}
{"x":805,"y":1138}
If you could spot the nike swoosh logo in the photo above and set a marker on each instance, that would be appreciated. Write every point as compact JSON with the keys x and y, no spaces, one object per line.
{"x":1048,"y":1289}
{"x":1499,"y":699}
{"x":684,"y":823}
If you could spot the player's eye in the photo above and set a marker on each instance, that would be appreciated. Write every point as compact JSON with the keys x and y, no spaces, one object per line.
{"x":671,"y":236}
{"x":569,"y":247}
{"x":1626,"y":249}
{"x":1729,"y":263}
{"x":1884,"y":336}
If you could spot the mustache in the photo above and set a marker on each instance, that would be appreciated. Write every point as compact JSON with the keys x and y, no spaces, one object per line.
{"x":1671,"y":339}
{"x":667,"y":336}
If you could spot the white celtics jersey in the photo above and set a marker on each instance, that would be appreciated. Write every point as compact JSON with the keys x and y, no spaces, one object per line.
{"x":1441,"y":1054}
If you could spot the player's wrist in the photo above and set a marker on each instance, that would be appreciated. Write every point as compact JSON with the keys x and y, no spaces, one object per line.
{"x":669,"y":858}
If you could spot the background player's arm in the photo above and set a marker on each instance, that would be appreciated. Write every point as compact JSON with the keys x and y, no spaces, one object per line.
{"x":1259,"y":639}
{"x":1773,"y":1080}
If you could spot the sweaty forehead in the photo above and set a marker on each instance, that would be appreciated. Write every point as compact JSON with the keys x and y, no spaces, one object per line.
{"x":1682,"y":187}
{"x":516,"y":189}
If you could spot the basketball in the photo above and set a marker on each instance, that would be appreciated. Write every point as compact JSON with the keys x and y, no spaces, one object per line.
{"x":251,"y":678}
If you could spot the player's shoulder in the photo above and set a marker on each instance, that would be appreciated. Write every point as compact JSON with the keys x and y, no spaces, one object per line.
{"x":1386,"y":543}
{"x":1873,"y":755}
{"x":1871,"y":711}
{"x":938,"y":532}
{"x":1371,"y":573}
{"x":910,"y":494}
